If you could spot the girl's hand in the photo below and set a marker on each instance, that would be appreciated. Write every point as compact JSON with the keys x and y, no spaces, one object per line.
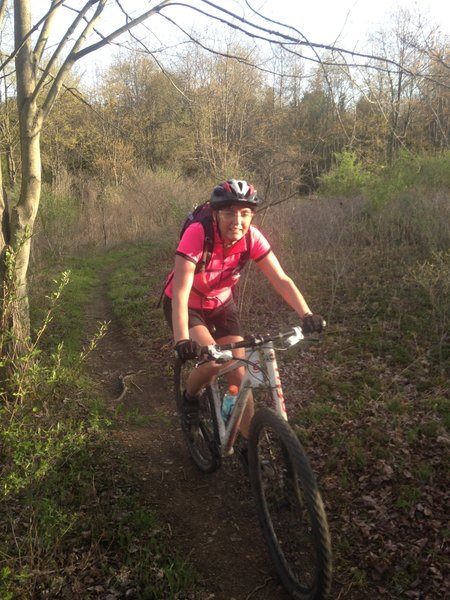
{"x":187,"y":349}
{"x":313,"y":323}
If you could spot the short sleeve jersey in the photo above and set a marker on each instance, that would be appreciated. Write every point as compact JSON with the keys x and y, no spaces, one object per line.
{"x":213,"y":287}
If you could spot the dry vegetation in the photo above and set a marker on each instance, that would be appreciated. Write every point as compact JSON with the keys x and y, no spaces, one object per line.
{"x":371,"y":402}
{"x":370,"y":251}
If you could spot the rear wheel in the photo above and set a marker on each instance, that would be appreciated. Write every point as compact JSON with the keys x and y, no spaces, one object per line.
{"x":201,"y":441}
{"x":290,"y":508}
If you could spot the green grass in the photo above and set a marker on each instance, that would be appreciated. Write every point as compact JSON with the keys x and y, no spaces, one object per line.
{"x":374,"y":419}
{"x":63,"y":483}
{"x":135,"y":287}
{"x":374,"y":413}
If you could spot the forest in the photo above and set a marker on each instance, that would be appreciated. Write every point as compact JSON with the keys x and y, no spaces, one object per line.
{"x":351,"y":154}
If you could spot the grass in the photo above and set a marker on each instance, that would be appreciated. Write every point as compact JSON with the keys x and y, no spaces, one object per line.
{"x":374,"y":416}
{"x":135,"y":286}
{"x":370,"y":403}
{"x":64,"y":485}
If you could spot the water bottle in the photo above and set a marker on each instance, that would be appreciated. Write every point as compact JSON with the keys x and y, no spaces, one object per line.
{"x":228,"y":402}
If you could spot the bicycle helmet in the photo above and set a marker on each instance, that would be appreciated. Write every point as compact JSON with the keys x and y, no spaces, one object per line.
{"x":234,"y":192}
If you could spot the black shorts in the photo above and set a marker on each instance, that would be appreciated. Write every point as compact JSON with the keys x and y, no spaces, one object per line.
{"x":220,"y":321}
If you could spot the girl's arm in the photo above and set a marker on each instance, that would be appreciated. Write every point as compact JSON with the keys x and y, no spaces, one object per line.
{"x":283,"y":284}
{"x":183,"y":278}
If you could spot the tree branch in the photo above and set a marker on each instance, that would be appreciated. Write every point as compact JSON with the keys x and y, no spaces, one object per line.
{"x":28,"y":34}
{"x":79,"y":54}
{"x":284,"y":40}
{"x":68,"y":63}
{"x":46,"y":29}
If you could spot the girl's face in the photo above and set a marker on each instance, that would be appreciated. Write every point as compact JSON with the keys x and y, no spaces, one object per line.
{"x":233,"y":223}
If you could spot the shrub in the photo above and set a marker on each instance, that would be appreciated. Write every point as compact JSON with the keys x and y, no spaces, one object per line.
{"x":348,"y":178}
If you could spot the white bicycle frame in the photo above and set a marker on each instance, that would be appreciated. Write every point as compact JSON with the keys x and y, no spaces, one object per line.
{"x":255,"y":376}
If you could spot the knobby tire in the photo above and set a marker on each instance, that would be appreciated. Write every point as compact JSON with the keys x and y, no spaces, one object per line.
{"x":202,"y":444}
{"x":290,"y":508}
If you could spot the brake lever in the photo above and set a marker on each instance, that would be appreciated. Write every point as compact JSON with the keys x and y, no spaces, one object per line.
{"x":296,"y":337}
{"x":220,"y":356}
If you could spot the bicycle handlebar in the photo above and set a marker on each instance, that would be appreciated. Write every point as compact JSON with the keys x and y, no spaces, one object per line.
{"x":222,"y":352}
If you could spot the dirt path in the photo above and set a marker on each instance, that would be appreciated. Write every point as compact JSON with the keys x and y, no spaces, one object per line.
{"x":210,"y":518}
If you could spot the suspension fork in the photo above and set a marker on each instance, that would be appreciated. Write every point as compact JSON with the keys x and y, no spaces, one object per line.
{"x":275,"y":381}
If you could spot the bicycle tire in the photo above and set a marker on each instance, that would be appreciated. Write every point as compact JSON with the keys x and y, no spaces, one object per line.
{"x":289,"y":507}
{"x":202,"y":444}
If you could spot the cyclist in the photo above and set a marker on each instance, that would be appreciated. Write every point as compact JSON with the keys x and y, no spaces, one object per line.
{"x":200,"y":308}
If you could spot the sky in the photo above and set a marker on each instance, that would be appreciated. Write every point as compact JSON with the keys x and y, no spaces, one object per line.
{"x":343,"y":23}
{"x":324,"y":21}
{"x":351,"y":21}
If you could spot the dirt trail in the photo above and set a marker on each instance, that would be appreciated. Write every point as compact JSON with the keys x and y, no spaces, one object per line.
{"x":210,"y":518}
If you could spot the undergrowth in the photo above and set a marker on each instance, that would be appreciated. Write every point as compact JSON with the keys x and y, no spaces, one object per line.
{"x":71,"y":509}
{"x":371,"y":403}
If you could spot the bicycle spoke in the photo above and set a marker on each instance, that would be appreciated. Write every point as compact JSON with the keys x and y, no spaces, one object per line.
{"x":289,"y":507}
{"x":200,"y":440}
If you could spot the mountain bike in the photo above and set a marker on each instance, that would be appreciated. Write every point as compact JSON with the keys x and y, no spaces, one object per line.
{"x":288,"y":502}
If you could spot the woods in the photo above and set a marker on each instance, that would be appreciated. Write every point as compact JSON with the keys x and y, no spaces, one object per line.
{"x":252,"y":103}
{"x":350,"y":151}
{"x":211,"y":114}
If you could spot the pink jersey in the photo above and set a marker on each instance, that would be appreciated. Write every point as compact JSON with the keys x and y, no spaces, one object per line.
{"x":213,"y":287}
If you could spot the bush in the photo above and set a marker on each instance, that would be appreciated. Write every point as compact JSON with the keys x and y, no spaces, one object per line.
{"x":348,"y":178}
{"x":418,"y":173}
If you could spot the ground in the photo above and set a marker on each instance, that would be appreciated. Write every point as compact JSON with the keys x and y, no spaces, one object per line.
{"x":210,"y":518}
{"x":387,"y":542}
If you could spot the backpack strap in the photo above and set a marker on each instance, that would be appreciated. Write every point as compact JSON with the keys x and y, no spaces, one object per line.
{"x":169,"y":279}
{"x":208,"y":244}
{"x":208,"y":247}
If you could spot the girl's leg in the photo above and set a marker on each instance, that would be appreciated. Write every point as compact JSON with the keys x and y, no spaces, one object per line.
{"x":235,"y":377}
{"x":202,"y":375}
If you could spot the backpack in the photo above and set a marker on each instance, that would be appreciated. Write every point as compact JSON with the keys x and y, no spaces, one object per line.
{"x":203,"y":214}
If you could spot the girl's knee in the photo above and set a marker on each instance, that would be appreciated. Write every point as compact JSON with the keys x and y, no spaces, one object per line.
{"x":209,"y":369}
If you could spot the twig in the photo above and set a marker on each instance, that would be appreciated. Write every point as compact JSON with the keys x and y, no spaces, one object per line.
{"x":260,"y":587}
{"x":126,"y":381}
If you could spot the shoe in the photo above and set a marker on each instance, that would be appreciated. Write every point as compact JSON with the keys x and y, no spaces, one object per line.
{"x":190,"y":412}
{"x":241,"y":451}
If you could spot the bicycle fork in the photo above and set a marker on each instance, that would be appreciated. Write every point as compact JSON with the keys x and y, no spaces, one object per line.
{"x":259,"y":377}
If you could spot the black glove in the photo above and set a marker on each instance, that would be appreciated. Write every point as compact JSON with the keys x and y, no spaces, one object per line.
{"x":313,"y":324}
{"x":187,"y":349}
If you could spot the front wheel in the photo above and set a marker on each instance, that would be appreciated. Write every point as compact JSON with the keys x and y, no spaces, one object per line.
{"x":202,"y":442}
{"x":289,"y":506}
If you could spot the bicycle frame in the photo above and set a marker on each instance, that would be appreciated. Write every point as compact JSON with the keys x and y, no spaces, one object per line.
{"x":255,"y":376}
{"x":288,"y":502}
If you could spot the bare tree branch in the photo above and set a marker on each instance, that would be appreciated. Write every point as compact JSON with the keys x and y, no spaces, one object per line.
{"x":160,"y":66}
{"x":68,"y":63}
{"x":118,"y":32}
{"x":46,"y":29}
{"x":28,"y":34}
{"x":278,"y":37}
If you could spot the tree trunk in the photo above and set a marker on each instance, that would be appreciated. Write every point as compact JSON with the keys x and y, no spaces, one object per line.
{"x":5,"y":236}
{"x":16,"y":251}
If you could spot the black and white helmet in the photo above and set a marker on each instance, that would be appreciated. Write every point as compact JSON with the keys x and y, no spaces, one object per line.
{"x":234,"y":192}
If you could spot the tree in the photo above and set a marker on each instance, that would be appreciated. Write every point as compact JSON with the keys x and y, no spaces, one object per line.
{"x":40,"y":80}
{"x":396,"y":89}
{"x":145,"y":109}
{"x":222,"y":112}
{"x":42,"y":66}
